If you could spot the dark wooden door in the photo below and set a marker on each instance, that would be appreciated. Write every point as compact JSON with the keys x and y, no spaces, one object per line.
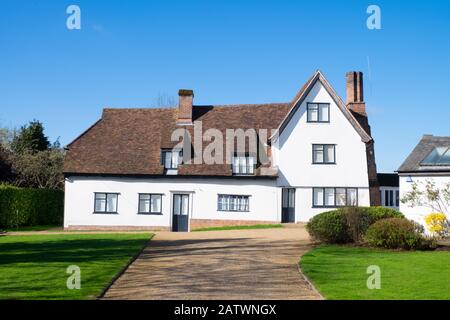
{"x":287,"y":205}
{"x":180,"y":210}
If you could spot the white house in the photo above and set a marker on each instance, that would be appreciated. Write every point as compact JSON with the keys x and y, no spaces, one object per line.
{"x":429,"y":161}
{"x":154,"y":168}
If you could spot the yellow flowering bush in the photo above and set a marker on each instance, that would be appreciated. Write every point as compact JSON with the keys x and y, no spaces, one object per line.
{"x":438,"y":224}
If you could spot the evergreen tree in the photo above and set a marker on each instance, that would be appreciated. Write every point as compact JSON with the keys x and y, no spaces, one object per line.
{"x":31,"y":138}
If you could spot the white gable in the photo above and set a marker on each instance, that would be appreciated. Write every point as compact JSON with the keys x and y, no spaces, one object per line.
{"x":293,"y":150}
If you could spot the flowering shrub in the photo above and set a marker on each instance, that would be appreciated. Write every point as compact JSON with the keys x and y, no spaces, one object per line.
{"x":398,"y":233}
{"x":438,"y":224}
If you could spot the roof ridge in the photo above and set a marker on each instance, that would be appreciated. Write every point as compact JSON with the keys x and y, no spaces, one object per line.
{"x":242,"y":105}
{"x":143,"y":108}
{"x":202,"y":105}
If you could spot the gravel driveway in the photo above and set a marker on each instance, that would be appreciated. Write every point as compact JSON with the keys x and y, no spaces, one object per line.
{"x":239,"y":264}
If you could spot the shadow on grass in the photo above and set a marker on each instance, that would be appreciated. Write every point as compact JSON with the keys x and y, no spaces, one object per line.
{"x":66,"y":250}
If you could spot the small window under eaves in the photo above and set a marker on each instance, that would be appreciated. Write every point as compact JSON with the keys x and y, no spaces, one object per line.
{"x":440,"y":156}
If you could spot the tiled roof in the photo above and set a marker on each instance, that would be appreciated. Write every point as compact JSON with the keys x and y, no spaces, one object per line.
{"x":129,"y":141}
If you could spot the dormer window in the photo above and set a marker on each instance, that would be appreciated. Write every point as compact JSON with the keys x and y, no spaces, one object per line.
{"x":171,"y":159}
{"x":318,"y":112}
{"x":244,"y":165}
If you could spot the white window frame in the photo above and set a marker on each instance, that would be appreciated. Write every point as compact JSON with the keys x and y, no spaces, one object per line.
{"x":243,"y":165}
{"x":334,"y":205}
{"x":233,"y":203}
{"x":151,"y":197}
{"x":172,"y":153}
{"x":107,"y":196}
{"x":318,"y":107}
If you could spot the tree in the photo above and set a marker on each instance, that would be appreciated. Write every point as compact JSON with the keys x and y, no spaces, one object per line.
{"x":427,"y":194}
{"x":6,"y":136}
{"x":5,"y":165}
{"x":43,"y":169}
{"x":31,"y":138}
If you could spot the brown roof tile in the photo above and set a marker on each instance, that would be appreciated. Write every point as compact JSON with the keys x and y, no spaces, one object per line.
{"x":129,"y":141}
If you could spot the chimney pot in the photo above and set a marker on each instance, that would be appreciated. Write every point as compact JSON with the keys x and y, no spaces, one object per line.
{"x":186,"y":98}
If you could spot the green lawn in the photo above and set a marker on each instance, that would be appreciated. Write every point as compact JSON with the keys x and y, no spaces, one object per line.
{"x":34,"y":267}
{"x":35,"y":228}
{"x":255,"y":226}
{"x":339,"y":272}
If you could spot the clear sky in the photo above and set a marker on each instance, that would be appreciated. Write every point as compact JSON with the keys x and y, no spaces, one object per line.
{"x":127,"y":53}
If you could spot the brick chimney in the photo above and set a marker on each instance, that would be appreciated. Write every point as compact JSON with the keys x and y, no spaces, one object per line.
{"x":186,"y":98}
{"x":355,"y":103}
{"x":355,"y":93}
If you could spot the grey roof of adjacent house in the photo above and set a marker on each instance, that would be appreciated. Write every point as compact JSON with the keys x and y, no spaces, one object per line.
{"x":413,"y":163}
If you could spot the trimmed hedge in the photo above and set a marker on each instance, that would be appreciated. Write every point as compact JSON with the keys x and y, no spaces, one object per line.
{"x":21,"y":207}
{"x":398,"y":233}
{"x":346,"y":225}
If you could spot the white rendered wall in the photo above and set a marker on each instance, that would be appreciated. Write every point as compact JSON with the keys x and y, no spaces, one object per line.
{"x":79,"y":200}
{"x":418,"y":213}
{"x":293,"y":155}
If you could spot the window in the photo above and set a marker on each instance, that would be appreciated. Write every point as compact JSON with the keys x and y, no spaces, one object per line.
{"x":105,"y":202}
{"x":390,"y":197}
{"x":324,"y":153}
{"x":318,"y":112}
{"x":335,"y":197}
{"x":244,"y":164}
{"x":318,"y":197}
{"x":150,"y":203}
{"x":228,"y":202}
{"x":171,"y":158}
{"x":397,"y":198}
{"x":438,"y":157}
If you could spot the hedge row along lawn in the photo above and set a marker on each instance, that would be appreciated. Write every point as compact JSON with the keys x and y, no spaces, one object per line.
{"x":34,"y":267}
{"x":339,"y":272}
{"x":255,"y":226}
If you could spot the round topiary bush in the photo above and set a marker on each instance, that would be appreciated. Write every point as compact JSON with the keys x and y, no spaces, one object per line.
{"x":329,"y":227}
{"x":346,"y":225}
{"x":398,"y":233}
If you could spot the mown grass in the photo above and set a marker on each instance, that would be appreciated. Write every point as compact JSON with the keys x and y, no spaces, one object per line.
{"x":255,"y":226}
{"x":34,"y":266}
{"x":34,"y":228}
{"x":340,"y":272}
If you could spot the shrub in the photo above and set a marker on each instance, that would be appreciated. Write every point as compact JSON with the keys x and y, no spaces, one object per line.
{"x":347,"y":224}
{"x":398,"y":233}
{"x":438,"y":224}
{"x":329,"y":227}
{"x":30,"y":207}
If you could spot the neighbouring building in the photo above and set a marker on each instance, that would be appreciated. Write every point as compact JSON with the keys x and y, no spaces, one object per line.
{"x":126,"y":171}
{"x":389,"y":190}
{"x":429,"y":161}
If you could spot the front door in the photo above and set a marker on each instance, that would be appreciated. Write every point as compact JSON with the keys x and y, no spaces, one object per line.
{"x":287,"y":205}
{"x":180,"y":210}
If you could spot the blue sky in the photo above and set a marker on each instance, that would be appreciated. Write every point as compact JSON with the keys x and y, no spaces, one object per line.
{"x":127,"y":53}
